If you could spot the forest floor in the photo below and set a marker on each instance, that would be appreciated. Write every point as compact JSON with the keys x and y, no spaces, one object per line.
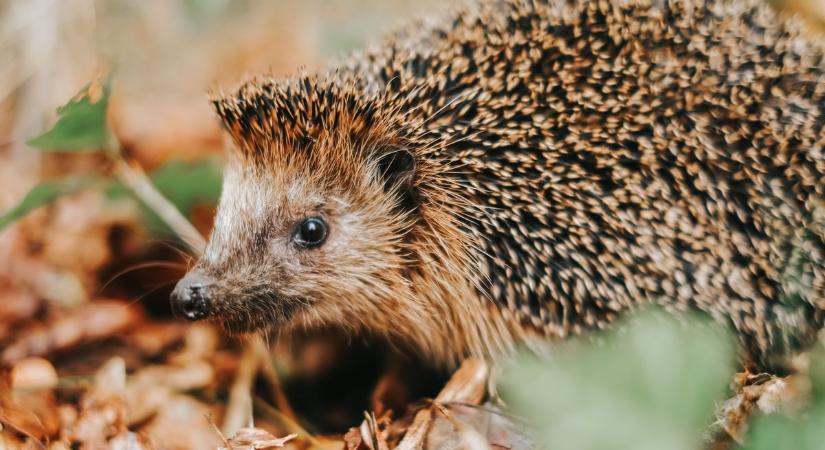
{"x":90,"y":355}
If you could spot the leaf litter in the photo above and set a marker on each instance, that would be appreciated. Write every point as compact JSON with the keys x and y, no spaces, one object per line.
{"x":91,"y":363}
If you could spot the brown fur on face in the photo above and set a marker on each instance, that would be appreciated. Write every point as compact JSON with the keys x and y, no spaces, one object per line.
{"x":394,"y":260}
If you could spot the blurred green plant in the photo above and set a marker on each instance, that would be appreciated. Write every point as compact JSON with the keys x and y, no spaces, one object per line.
{"x":652,"y":383}
{"x":185,"y":184}
{"x":43,"y":193}
{"x":82,"y":127}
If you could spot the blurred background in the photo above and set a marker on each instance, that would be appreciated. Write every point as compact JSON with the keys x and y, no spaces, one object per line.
{"x":85,"y":279}
{"x":169,"y":54}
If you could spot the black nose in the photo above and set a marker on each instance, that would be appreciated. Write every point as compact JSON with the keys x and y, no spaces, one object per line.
{"x":190,"y":298}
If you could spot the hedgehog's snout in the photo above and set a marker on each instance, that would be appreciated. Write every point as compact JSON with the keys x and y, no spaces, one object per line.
{"x":191,"y":297}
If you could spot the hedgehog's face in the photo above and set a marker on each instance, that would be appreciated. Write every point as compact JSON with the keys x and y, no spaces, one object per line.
{"x":299,"y":243}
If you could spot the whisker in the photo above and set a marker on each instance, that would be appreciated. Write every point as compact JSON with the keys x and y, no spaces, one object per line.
{"x":140,"y":266}
{"x":150,"y":292}
{"x":177,"y":247}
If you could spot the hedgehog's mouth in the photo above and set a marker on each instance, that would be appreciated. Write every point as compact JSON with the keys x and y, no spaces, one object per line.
{"x":253,"y":314}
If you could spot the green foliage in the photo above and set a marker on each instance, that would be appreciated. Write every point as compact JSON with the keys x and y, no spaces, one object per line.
{"x":818,"y":376}
{"x":82,"y":126}
{"x":651,"y":385}
{"x":42,"y":194}
{"x":782,"y":432}
{"x":201,"y":11}
{"x":81,"y":123}
{"x":807,"y":432}
{"x":187,"y":184}
{"x":184,"y":184}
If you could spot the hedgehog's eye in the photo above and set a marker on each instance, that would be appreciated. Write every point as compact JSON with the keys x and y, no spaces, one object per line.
{"x":311,"y":232}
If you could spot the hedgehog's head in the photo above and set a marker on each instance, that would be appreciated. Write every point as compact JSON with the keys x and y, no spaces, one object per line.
{"x":319,"y":200}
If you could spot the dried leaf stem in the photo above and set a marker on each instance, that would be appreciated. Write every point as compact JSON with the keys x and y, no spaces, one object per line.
{"x":138,"y":182}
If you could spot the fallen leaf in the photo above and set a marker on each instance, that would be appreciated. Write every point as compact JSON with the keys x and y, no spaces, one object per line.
{"x":374,"y":432}
{"x":180,"y":424}
{"x":91,"y":321}
{"x":151,"y":388}
{"x":251,"y":438}
{"x":102,"y":411}
{"x":33,"y":373}
{"x":31,"y":413}
{"x":129,"y":441}
{"x":467,"y":385}
{"x":353,"y":439}
{"x":18,"y":305}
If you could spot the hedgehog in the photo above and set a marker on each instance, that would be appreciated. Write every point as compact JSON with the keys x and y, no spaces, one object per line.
{"x":522,"y":171}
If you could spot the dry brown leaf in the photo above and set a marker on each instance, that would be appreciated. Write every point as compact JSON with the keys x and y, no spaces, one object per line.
{"x":374,"y":432}
{"x":88,"y":322}
{"x":152,"y":338}
{"x":199,"y":343}
{"x":10,"y":441}
{"x":102,"y":412}
{"x":29,"y":412}
{"x":17,"y":305}
{"x":181,"y":424}
{"x":353,"y":439}
{"x":466,"y":436}
{"x":467,"y":385}
{"x":76,"y":237}
{"x":31,"y":415}
{"x":474,"y":427}
{"x":129,"y":441}
{"x":151,"y":388}
{"x":326,"y":443}
{"x":251,"y":438}
{"x":195,"y":375}
{"x":33,"y":373}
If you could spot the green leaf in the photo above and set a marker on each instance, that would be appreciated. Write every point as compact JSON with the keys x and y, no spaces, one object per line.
{"x":203,"y":11}
{"x":43,"y":194}
{"x":187,"y":184}
{"x":81,"y":124}
{"x":817,"y":373}
{"x":778,"y":431}
{"x":650,"y":384}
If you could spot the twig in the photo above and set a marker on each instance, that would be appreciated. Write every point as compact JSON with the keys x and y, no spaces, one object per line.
{"x":371,"y":435}
{"x":292,"y":426}
{"x":239,"y":408}
{"x":272,"y":379}
{"x":217,"y":430}
{"x":135,"y":179}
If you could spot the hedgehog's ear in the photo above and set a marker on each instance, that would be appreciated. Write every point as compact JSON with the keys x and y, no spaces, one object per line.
{"x":396,"y":168}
